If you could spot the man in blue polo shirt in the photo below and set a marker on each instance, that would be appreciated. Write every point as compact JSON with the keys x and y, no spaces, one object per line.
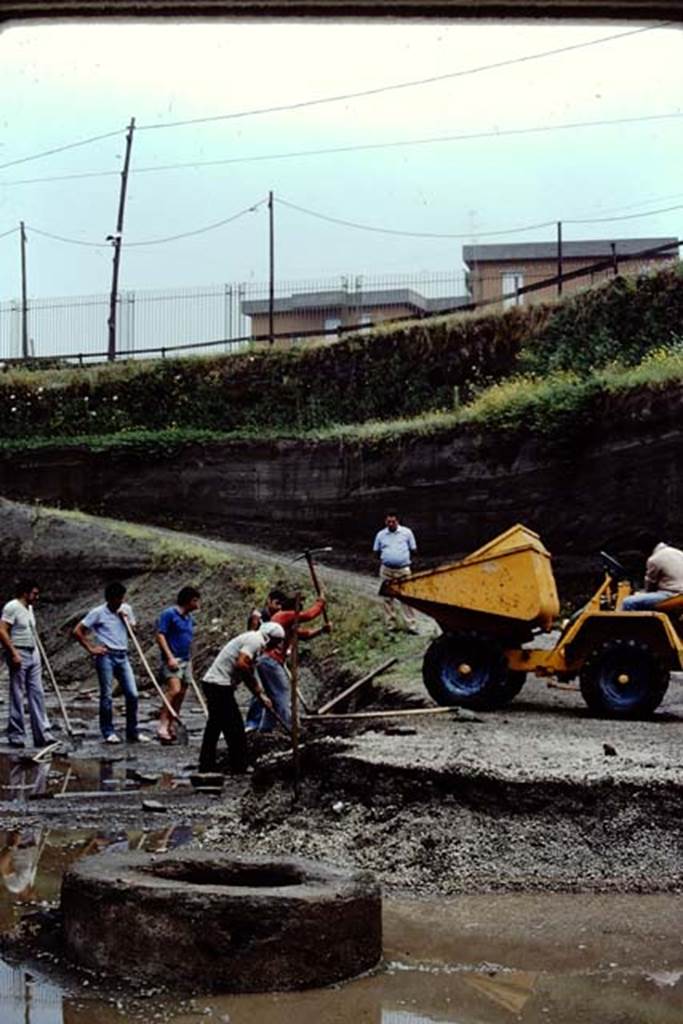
{"x":175,"y":631}
{"x":110,"y":651}
{"x":395,"y":545}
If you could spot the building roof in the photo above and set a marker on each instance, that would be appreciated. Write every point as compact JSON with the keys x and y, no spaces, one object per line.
{"x":342,"y":299}
{"x":591,"y":248}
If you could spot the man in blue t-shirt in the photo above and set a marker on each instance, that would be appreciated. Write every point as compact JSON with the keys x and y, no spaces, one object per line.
{"x":395,"y":545}
{"x":108,"y":624}
{"x":175,"y":632}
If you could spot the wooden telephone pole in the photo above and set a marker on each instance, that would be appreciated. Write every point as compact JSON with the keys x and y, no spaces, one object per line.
{"x":116,"y":243}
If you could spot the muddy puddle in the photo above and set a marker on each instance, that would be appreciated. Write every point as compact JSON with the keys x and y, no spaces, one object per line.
{"x":23,"y":779}
{"x":34,"y":858}
{"x":497,"y":959}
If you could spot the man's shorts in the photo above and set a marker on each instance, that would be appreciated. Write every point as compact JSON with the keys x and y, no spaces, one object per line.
{"x":183,"y":672}
{"x":387,"y":573}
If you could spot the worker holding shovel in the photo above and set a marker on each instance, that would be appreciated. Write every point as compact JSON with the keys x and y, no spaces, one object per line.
{"x":108,"y":623}
{"x":18,"y":637}
{"x":175,"y":631}
{"x":234,"y":665}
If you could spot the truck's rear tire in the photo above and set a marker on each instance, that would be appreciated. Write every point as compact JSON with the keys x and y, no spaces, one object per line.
{"x":469,"y":670}
{"x":623,"y":679}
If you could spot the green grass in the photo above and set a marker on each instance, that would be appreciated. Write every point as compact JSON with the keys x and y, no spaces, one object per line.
{"x":539,"y":404}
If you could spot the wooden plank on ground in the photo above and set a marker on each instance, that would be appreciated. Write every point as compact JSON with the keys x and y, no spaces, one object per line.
{"x":355,"y":686}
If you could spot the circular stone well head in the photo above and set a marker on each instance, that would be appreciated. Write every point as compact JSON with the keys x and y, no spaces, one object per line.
{"x":213,"y":921}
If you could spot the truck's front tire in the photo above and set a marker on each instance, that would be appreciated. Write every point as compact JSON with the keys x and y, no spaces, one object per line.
{"x":469,"y":670}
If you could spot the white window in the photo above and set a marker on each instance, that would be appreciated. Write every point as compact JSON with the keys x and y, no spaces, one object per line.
{"x":511,"y":282}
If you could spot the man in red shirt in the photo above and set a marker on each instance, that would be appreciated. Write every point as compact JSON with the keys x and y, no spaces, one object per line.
{"x":271,"y":668}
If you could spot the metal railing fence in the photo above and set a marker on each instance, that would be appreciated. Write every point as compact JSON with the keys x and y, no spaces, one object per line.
{"x":201,"y":319}
{"x":227,"y":317}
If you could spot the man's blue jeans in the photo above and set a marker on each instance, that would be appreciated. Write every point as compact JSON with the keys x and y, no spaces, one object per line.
{"x":275,"y":682}
{"x":645,"y":601}
{"x":110,"y":666}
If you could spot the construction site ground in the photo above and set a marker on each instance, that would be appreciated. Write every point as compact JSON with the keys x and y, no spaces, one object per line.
{"x":548,"y":829}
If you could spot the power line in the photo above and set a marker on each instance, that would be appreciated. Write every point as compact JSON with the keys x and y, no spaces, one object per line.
{"x":627,"y":216}
{"x":468,"y":234}
{"x":469,"y":136}
{"x":344,"y":96}
{"x":61,"y":149}
{"x":11,"y":231}
{"x":405,"y":85}
{"x":152,"y":241}
{"x":198,"y":231}
{"x":409,"y":234}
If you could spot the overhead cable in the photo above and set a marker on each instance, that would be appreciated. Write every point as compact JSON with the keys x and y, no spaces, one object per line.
{"x":61,"y":149}
{"x":151,"y":241}
{"x":624,"y":216}
{"x":404,"y":85}
{"x":468,"y":234}
{"x":343,"y":96}
{"x":409,"y":234}
{"x":469,"y":136}
{"x":10,"y":232}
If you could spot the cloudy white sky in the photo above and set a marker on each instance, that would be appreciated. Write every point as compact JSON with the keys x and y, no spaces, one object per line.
{"x":67,"y":82}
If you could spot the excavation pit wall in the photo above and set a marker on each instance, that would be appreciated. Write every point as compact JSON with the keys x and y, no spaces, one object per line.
{"x":213,"y":921}
{"x":456,"y":487}
{"x":460,"y":829}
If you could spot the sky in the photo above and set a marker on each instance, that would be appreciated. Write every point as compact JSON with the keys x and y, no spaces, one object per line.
{"x":66,"y":82}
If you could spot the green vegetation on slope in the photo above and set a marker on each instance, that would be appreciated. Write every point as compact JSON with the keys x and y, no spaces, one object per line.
{"x":541,"y":369}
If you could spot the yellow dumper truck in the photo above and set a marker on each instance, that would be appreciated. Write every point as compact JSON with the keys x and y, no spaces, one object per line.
{"x":493,"y":605}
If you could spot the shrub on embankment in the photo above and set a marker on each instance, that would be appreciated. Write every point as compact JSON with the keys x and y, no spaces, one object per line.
{"x":533,"y":368}
{"x":392,"y":372}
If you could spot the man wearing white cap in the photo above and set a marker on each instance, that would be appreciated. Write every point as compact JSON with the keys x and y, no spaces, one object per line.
{"x":234,"y":665}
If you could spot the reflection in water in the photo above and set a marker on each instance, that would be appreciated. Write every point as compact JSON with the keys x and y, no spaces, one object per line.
{"x":408,"y":990}
{"x":23,"y":779}
{"x":33,"y":860}
{"x":440,"y":995}
{"x":25,"y":1000}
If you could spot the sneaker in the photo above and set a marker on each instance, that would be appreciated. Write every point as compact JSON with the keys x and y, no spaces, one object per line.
{"x":141,"y":737}
{"x":112,"y":738}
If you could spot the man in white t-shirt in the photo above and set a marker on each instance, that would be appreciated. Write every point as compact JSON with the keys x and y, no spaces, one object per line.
{"x":18,"y":637}
{"x":395,"y":545}
{"x":233,"y":665}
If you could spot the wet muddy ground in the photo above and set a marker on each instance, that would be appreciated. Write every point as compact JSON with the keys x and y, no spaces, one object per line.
{"x":474,"y":960}
{"x":530,"y":858}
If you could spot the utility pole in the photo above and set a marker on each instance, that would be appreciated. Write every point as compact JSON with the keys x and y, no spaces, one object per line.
{"x":271,"y":272}
{"x":24,"y":299}
{"x":559,"y":257}
{"x":116,"y":243}
{"x":615,"y":262}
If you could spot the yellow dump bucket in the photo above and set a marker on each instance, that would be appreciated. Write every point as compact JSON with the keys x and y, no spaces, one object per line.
{"x":506,"y":587}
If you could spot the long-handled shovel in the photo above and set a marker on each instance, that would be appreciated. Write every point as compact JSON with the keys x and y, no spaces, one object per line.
{"x":181,"y":729}
{"x":60,"y":700}
{"x":198,"y":694}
